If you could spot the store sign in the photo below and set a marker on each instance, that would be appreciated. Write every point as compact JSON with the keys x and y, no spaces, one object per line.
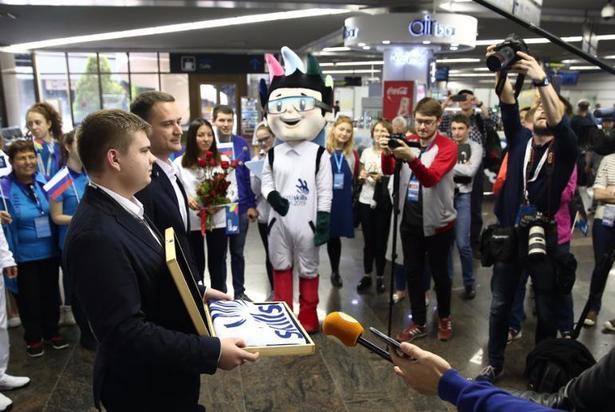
{"x":397,"y":99}
{"x":398,"y":29}
{"x":350,"y":32}
{"x":217,"y":63}
{"x":429,"y":27}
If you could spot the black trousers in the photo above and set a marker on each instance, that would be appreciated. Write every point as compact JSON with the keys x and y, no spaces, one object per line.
{"x":375,"y":224}
{"x":334,"y":250}
{"x":477,"y":207}
{"x":39,"y":298}
{"x":262,"y":231}
{"x":217,"y":246}
{"x":418,"y":250}
{"x":197,"y":247}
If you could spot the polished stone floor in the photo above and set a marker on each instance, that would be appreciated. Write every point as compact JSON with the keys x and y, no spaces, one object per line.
{"x":336,"y":378}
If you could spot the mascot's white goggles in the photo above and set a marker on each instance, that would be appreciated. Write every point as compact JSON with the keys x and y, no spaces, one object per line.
{"x":300,"y":103}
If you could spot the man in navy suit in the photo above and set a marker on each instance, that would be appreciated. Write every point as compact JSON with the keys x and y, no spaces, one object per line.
{"x":149,"y":356}
{"x":165,"y":199}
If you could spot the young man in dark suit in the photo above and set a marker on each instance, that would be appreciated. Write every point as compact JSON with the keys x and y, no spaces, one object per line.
{"x":165,"y":199}
{"x":149,"y":356}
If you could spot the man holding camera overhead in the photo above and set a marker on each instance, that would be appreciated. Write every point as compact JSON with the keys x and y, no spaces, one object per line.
{"x":539,"y":166}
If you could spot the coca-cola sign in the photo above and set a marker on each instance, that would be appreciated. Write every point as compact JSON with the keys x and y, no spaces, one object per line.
{"x":398,"y":99}
{"x":397,"y":91}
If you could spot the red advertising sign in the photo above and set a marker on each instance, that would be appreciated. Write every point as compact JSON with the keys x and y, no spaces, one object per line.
{"x":397,"y":99}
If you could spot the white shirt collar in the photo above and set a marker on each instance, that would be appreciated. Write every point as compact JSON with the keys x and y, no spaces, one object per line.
{"x":132,"y":206}
{"x":168,"y":168}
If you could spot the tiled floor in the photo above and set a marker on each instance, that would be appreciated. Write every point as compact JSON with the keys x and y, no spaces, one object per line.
{"x":336,"y":378}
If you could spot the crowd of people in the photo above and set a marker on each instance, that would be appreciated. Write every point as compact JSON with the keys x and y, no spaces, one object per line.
{"x":440,"y":166}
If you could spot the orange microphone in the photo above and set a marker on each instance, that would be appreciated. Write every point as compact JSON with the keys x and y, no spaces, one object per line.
{"x":349,"y":331}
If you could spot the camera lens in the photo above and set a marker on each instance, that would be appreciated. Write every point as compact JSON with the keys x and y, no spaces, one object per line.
{"x":501,"y":59}
{"x":536,"y":244}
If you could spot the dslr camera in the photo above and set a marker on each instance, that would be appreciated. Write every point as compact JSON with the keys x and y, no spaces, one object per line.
{"x":506,"y":53}
{"x":536,"y":242}
{"x":396,"y":138}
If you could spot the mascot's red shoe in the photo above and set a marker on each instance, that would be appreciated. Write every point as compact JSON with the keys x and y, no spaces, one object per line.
{"x":308,"y":301}
{"x":283,"y":286}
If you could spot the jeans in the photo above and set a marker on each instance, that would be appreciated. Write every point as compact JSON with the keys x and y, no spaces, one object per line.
{"x":418,"y":250}
{"x":238,"y":264}
{"x":477,"y":206}
{"x":564,"y":312}
{"x":504,"y":284}
{"x":39,"y":298}
{"x":462,"y":239}
{"x":603,"y":239}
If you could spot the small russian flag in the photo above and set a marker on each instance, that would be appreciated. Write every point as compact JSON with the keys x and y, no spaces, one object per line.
{"x":58,"y":184}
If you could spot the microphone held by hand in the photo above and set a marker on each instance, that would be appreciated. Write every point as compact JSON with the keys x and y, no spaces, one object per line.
{"x":349,"y":331}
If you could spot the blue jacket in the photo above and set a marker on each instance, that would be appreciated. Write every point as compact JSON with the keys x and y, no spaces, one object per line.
{"x":565,"y":154}
{"x":21,"y":234}
{"x":479,"y":396}
{"x":242,"y":174}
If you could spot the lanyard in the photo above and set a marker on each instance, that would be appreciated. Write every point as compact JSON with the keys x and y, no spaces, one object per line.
{"x":338,"y":161}
{"x":30,"y":192}
{"x":46,"y":171}
{"x":528,"y":158}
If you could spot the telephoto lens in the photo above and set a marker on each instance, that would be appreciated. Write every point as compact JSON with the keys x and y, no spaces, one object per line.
{"x":536,"y":243}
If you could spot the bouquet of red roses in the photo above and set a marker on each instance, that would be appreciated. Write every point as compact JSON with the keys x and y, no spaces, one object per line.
{"x":212,"y":187}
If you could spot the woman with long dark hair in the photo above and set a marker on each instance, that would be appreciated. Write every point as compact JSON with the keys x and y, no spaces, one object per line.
{"x":201,"y":146}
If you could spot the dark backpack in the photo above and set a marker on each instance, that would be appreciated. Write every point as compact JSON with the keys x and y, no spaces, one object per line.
{"x":554,"y":362}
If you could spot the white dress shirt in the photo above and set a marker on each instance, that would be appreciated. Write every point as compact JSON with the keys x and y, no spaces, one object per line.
{"x":132,"y":206}
{"x":171,"y":171}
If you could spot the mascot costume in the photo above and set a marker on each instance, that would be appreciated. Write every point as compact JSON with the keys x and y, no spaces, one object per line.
{"x":296,"y":179}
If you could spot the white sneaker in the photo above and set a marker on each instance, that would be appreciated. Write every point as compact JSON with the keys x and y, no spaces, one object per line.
{"x":14,"y":322}
{"x":10,"y":382}
{"x":5,"y":403}
{"x":66,"y":316}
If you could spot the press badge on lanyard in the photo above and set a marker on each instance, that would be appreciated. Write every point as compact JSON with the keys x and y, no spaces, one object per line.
{"x":608,"y":217}
{"x":42,"y":227}
{"x":338,"y":178}
{"x":414,"y":186}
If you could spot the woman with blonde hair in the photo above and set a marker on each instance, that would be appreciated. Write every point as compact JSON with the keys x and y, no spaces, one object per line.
{"x":345,"y":168}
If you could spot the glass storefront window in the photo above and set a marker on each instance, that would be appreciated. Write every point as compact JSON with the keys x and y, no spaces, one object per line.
{"x":82,"y":63}
{"x":177,"y":85}
{"x":115,"y":91}
{"x":143,"y":62}
{"x":165,"y":65}
{"x":51,"y":62}
{"x":143,"y":83}
{"x":86,"y":95}
{"x":115,"y":62}
{"x":53,"y":89}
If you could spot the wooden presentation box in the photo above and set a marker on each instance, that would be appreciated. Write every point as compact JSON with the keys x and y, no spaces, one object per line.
{"x":201,"y":317}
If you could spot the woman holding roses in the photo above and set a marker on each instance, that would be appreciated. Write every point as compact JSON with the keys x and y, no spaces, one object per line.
{"x":202,"y":166}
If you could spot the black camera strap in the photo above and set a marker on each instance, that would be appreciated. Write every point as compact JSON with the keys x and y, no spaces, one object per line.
{"x":502,"y":81}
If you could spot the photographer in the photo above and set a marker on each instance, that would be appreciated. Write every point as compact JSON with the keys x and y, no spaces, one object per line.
{"x":470,"y":156}
{"x":480,"y":121}
{"x":427,"y":226}
{"x":539,"y":167}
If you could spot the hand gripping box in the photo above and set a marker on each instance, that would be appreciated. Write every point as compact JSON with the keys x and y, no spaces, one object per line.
{"x":269,"y":328}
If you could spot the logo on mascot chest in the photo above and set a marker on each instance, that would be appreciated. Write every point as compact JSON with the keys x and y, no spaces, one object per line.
{"x":301,"y":196}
